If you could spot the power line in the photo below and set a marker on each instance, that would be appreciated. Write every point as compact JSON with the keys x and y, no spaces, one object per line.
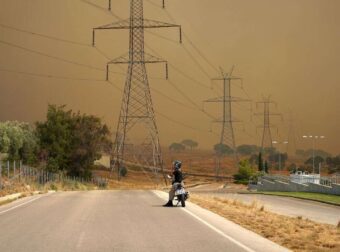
{"x":50,"y":56}
{"x":49,"y":76}
{"x":181,"y":72}
{"x":190,"y":100}
{"x":180,"y":123}
{"x":188,"y":39}
{"x":173,"y":100}
{"x":44,"y":35}
{"x":165,"y":116}
{"x":109,"y":12}
{"x":196,"y":62}
{"x":71,"y":62}
{"x":193,"y":45}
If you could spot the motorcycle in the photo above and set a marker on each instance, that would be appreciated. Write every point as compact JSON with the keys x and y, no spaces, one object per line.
{"x":181,"y":195}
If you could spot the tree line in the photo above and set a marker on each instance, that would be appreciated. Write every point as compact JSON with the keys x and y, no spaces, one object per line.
{"x":67,"y":141}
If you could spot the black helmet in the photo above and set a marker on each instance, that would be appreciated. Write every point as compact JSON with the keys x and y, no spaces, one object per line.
{"x":177,"y":164}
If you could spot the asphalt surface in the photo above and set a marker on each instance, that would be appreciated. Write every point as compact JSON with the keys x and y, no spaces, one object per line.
{"x":118,"y":221}
{"x":316,"y":211}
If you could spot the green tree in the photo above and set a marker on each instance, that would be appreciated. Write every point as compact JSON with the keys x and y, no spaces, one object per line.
{"x":269,"y":151}
{"x":56,"y":137}
{"x":89,"y":138}
{"x":71,"y":142}
{"x":266,"y":167}
{"x":223,"y":149}
{"x":177,"y":147}
{"x":190,"y":143}
{"x":18,"y":140}
{"x":333,"y":164}
{"x":278,"y":156}
{"x":245,"y":172}
{"x":260,"y":162}
{"x":253,"y":159}
{"x":247,"y":149}
{"x":317,"y":160}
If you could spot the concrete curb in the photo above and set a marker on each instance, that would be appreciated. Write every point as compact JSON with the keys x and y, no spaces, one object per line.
{"x":16,"y":196}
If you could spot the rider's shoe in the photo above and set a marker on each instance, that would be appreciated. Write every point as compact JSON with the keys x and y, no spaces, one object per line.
{"x":169,"y":204}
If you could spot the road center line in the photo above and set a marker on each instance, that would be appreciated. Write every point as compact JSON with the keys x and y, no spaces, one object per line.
{"x":213,"y":228}
{"x":22,"y":204}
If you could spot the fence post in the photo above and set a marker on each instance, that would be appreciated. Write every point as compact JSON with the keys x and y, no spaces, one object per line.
{"x":0,"y":174}
{"x":20,"y":164}
{"x":14,"y":169}
{"x":8,"y":169}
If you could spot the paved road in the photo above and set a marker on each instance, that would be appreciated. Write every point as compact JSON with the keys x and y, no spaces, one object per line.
{"x":118,"y":221}
{"x":319,"y":212}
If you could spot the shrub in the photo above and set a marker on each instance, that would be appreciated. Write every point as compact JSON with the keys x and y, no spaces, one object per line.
{"x":123,"y":171}
{"x":244,"y":174}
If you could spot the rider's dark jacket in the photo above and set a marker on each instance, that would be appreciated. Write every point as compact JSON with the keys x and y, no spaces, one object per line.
{"x":178,"y":177}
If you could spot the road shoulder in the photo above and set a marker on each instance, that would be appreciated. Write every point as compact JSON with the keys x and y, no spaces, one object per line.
{"x":249,"y":240}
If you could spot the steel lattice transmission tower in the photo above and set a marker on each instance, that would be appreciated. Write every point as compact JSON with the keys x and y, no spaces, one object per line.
{"x":136,"y":121}
{"x":267,"y":141}
{"x":227,"y":132}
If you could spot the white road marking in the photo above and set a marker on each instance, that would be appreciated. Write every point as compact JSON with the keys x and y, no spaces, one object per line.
{"x":213,"y":228}
{"x":22,"y":204}
{"x":218,"y":231}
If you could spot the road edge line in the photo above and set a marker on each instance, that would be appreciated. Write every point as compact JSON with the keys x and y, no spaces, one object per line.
{"x":22,"y":204}
{"x":213,"y":228}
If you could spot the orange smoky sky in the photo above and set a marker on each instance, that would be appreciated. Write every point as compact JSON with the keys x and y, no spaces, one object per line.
{"x":289,"y":49}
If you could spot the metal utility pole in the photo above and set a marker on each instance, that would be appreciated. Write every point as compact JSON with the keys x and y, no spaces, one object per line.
{"x":314,"y":138}
{"x":291,"y":147}
{"x":267,"y":135}
{"x":137,"y":117}
{"x":279,"y":152}
{"x":227,"y":133}
{"x":0,"y":174}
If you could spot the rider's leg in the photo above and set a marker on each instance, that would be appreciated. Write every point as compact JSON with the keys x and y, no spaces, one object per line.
{"x":171,"y":194}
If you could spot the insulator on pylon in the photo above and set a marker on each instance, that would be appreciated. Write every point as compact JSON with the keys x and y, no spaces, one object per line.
{"x":107,"y":72}
{"x":180,"y":35}
{"x":93,"y":37}
{"x":166,"y":71}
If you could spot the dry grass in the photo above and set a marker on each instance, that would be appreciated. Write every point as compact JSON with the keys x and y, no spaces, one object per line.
{"x":6,"y":202}
{"x":297,"y":234}
{"x":17,"y":187}
{"x":139,"y":180}
{"x":200,"y":161}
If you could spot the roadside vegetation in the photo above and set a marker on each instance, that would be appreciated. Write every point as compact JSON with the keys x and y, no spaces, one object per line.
{"x":297,"y":234}
{"x":66,"y":142}
{"x":65,"y":185}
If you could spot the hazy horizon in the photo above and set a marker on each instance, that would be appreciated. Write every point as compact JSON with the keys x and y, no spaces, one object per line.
{"x":286,"y":49}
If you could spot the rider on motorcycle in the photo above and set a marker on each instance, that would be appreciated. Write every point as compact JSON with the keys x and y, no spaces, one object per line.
{"x":177,"y":179}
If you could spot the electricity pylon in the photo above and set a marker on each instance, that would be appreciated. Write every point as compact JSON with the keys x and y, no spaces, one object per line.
{"x":227,"y":130}
{"x":137,"y":117}
{"x":267,"y":141}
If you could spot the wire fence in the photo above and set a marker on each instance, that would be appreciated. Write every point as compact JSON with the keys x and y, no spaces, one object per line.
{"x":14,"y":172}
